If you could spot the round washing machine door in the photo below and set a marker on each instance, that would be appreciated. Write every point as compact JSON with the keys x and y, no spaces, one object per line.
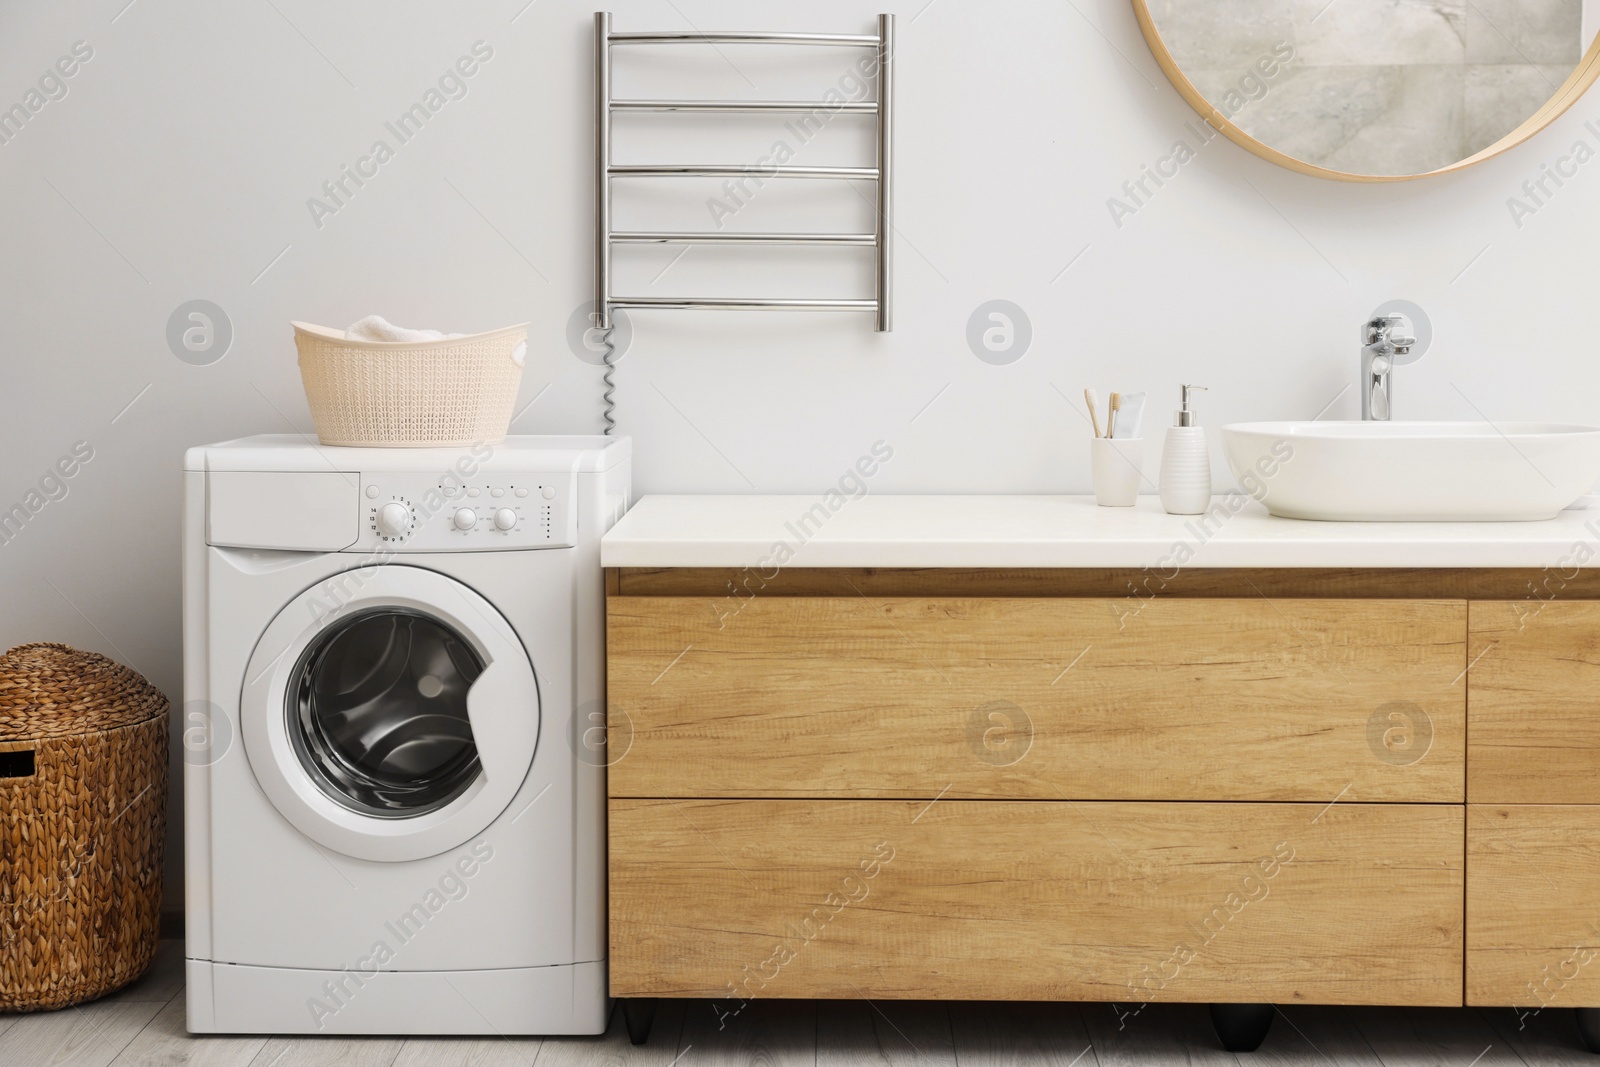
{"x":390,"y":713}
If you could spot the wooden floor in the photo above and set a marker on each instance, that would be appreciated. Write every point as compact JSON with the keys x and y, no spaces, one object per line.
{"x":143,"y":1025}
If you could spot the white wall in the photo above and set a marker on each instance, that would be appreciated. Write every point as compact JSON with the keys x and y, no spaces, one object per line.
{"x":179,"y":164}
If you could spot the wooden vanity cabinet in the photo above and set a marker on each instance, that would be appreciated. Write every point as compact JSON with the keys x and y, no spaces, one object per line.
{"x":1322,"y":787}
{"x":970,"y":794}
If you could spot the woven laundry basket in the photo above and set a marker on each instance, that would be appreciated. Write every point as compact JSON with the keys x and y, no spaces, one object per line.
{"x":411,"y":394}
{"x":83,"y":816}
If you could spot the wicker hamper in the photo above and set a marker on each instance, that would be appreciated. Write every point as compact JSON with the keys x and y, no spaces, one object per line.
{"x":83,"y":813}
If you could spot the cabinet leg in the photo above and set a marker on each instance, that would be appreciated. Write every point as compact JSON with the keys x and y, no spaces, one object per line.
{"x":1241,"y":1027}
{"x":640,"y":1014}
{"x":1589,"y":1028}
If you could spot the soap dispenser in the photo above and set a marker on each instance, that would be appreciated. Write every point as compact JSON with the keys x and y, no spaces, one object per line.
{"x":1185,"y":462}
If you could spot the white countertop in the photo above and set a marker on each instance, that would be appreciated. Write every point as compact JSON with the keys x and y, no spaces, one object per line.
{"x":1058,"y":531}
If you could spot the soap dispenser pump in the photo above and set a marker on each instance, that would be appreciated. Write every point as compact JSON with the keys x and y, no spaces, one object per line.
{"x":1185,"y":462}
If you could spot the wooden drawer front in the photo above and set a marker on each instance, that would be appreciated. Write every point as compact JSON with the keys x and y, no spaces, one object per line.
{"x":1535,"y":703}
{"x":1533,"y":906}
{"x":1009,"y":900}
{"x":1050,"y":699}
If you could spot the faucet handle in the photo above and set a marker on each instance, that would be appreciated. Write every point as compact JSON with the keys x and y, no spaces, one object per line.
{"x":1383,"y":329}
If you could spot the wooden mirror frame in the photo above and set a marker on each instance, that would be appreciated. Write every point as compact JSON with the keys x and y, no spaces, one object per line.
{"x":1577,"y":83}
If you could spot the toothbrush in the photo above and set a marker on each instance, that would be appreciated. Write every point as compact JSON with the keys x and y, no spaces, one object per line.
{"x":1111,"y":414}
{"x":1093,"y":401}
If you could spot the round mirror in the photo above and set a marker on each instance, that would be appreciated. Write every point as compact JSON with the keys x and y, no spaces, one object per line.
{"x":1376,"y":90}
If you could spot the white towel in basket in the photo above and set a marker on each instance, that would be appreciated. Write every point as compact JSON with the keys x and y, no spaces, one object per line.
{"x":377,"y":328}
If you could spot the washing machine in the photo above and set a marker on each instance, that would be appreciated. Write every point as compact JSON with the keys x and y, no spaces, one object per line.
{"x":393,"y":735}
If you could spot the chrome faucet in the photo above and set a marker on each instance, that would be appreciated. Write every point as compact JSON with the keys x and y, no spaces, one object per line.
{"x":1381,"y":341}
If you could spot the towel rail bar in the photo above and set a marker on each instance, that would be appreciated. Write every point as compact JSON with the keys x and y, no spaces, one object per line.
{"x":708,"y":303}
{"x":647,"y":237}
{"x":737,"y":170}
{"x":802,"y":107}
{"x":854,"y":40}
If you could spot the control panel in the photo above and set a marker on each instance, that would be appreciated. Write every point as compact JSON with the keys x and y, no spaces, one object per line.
{"x":485,"y":512}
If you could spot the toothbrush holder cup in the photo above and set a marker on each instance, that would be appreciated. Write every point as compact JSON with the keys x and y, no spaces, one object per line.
{"x":1117,"y":467}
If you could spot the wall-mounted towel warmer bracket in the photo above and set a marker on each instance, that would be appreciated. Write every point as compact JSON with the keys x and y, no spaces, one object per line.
{"x":605,"y":105}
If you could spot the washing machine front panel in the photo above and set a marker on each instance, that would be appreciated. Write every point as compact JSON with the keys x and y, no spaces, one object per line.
{"x":459,"y":508}
{"x":390,"y":713}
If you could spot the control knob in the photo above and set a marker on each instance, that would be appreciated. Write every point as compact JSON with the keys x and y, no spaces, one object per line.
{"x":394,"y":520}
{"x":465,"y":519}
{"x":505,"y":519}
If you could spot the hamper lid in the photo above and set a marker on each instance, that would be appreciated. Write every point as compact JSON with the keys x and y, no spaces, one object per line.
{"x":55,"y":690}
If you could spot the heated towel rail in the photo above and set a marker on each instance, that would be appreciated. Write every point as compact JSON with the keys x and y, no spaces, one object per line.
{"x":881,"y":239}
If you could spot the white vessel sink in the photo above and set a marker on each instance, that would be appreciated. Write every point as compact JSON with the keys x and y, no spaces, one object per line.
{"x":1414,"y":471}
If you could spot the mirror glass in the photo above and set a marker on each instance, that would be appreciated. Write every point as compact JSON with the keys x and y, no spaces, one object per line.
{"x":1382,"y":88}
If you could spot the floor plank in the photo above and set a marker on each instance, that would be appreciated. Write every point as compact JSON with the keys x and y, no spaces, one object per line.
{"x":1302,"y":1036}
{"x":468,"y":1052}
{"x":328,"y":1052}
{"x":91,"y":1035}
{"x":1153,"y":1034}
{"x":615,"y":1050}
{"x":768,"y":1033}
{"x":1549,"y":1037}
{"x":165,"y":1043}
{"x":1001,"y":1035}
{"x":1433,"y":1037}
{"x":884,"y":1033}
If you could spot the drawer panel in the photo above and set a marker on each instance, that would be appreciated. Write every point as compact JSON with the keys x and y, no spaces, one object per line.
{"x":1038,"y":698}
{"x":1533,"y":906}
{"x":1019,"y":900}
{"x":1534,"y":699}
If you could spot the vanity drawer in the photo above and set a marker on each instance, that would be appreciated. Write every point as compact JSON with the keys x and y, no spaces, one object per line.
{"x":1534,"y":703}
{"x":1065,"y":698}
{"x":1009,"y":900}
{"x":1533,"y":906}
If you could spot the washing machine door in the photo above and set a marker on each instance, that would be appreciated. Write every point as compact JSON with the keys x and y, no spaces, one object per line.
{"x":390,"y":713}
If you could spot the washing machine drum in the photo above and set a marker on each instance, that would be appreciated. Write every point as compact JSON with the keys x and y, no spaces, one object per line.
{"x":378,"y":712}
{"x":390,"y":714}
